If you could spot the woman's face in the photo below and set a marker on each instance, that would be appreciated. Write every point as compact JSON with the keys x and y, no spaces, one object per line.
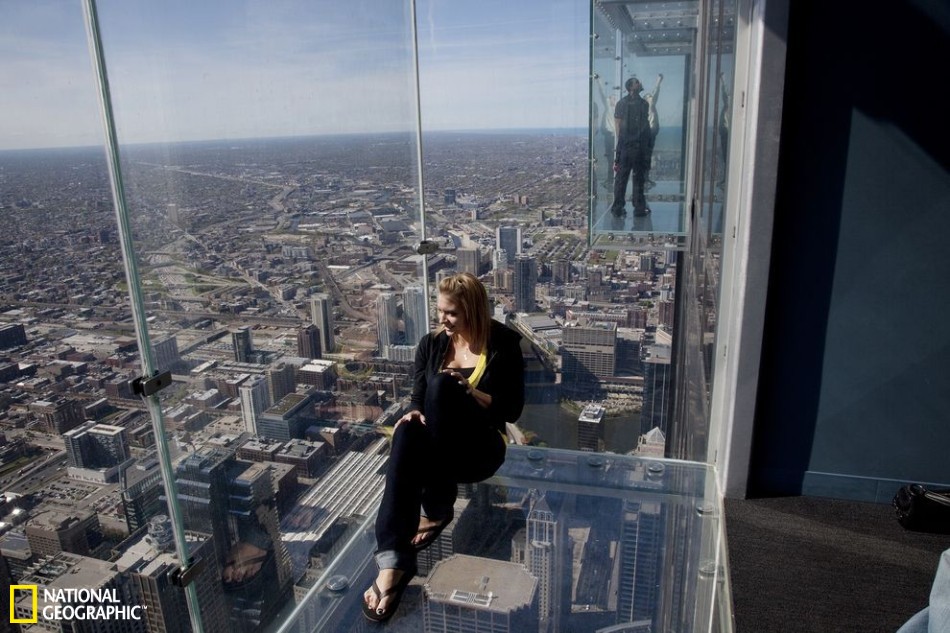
{"x":451,"y":317}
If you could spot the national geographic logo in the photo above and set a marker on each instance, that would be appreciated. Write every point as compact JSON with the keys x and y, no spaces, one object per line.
{"x":14,"y":589}
{"x":68,"y":605}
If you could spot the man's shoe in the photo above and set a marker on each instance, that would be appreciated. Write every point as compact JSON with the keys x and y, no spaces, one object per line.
{"x":618,"y":211}
{"x":640,"y":213}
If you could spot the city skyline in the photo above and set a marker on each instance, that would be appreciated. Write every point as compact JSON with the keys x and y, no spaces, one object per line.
{"x":186,"y":72}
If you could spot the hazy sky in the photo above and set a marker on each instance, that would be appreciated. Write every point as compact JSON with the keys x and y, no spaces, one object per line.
{"x":193,"y":70}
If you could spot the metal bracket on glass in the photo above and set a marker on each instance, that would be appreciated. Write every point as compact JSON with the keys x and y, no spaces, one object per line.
{"x":184,"y":576}
{"x":145,"y":386}
{"x":427,"y":247}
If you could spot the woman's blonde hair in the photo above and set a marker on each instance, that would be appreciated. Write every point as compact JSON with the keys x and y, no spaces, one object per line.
{"x":470,"y":297}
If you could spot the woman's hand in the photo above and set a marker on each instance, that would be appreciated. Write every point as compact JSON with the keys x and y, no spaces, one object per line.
{"x":481,"y":398}
{"x":462,"y":380}
{"x":409,"y":417}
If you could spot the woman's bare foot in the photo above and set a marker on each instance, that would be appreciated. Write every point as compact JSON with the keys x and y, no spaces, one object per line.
{"x":385,"y":580}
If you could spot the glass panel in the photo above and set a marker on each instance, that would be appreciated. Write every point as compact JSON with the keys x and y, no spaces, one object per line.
{"x":649,"y":46}
{"x":717,"y":121}
{"x":700,"y":283}
{"x":269,"y":160}
{"x":556,"y":541}
{"x":270,"y":166}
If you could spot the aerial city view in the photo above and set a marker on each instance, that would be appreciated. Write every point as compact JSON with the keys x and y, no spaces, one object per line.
{"x":286,"y":280}
{"x":285,"y":297}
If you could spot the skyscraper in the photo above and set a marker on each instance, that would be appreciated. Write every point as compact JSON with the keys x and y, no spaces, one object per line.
{"x":590,"y":428}
{"x":469,"y":260}
{"x":589,"y":351}
{"x":255,"y":398}
{"x":150,"y":561}
{"x":321,"y":314}
{"x":541,"y":551}
{"x":657,"y":378}
{"x":166,"y":353}
{"x":525,"y":282}
{"x":308,"y":342}
{"x":281,"y":380}
{"x":561,"y":271}
{"x":387,"y":323}
{"x":241,"y":342}
{"x":414,"y":314}
{"x":508,"y":239}
{"x":141,"y":492}
{"x":641,"y":569}
{"x":96,"y":445}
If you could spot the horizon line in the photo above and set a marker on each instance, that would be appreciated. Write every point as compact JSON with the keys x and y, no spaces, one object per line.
{"x":512,"y":130}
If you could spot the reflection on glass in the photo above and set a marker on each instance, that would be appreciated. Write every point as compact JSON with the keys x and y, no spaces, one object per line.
{"x":652,"y":45}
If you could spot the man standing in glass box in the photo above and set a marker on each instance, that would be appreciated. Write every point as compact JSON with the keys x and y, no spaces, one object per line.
{"x":634,"y":148}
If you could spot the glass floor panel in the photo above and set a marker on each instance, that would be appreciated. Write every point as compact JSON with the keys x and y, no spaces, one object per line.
{"x":556,"y":541}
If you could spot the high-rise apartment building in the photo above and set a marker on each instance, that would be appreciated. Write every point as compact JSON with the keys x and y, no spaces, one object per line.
{"x":92,"y":445}
{"x":141,"y":487}
{"x":281,"y":380}
{"x":525,"y":283}
{"x":508,"y":239}
{"x":388,"y":327}
{"x":415,"y":316}
{"x":499,"y":260}
{"x":561,"y":271}
{"x":469,"y":260}
{"x":321,"y":315}
{"x":589,"y":351}
{"x":242,"y":345}
{"x":308,"y":342}
{"x":255,"y":399}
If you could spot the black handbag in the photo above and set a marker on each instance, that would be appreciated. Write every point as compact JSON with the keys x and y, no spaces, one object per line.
{"x":923,"y":510}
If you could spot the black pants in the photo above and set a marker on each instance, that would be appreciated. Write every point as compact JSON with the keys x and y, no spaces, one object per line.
{"x":632,"y":160}
{"x":457,"y":444}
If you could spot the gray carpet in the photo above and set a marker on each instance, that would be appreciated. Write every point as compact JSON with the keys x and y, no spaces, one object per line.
{"x":804,"y":564}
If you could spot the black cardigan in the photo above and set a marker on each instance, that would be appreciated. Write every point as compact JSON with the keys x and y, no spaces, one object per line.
{"x":503,"y":379}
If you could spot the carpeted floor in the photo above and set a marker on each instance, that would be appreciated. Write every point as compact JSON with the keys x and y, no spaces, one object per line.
{"x":811,"y":565}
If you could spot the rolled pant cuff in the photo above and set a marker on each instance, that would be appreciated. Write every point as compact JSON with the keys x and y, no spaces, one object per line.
{"x":391,"y":559}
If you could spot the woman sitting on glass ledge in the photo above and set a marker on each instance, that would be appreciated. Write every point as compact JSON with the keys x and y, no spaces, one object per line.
{"x":468,"y":382}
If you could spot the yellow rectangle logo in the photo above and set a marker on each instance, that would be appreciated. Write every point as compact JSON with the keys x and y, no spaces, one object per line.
{"x":13,"y":589}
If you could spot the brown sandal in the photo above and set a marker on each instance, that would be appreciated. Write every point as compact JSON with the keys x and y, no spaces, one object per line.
{"x":431,"y":533}
{"x":395,"y":591}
